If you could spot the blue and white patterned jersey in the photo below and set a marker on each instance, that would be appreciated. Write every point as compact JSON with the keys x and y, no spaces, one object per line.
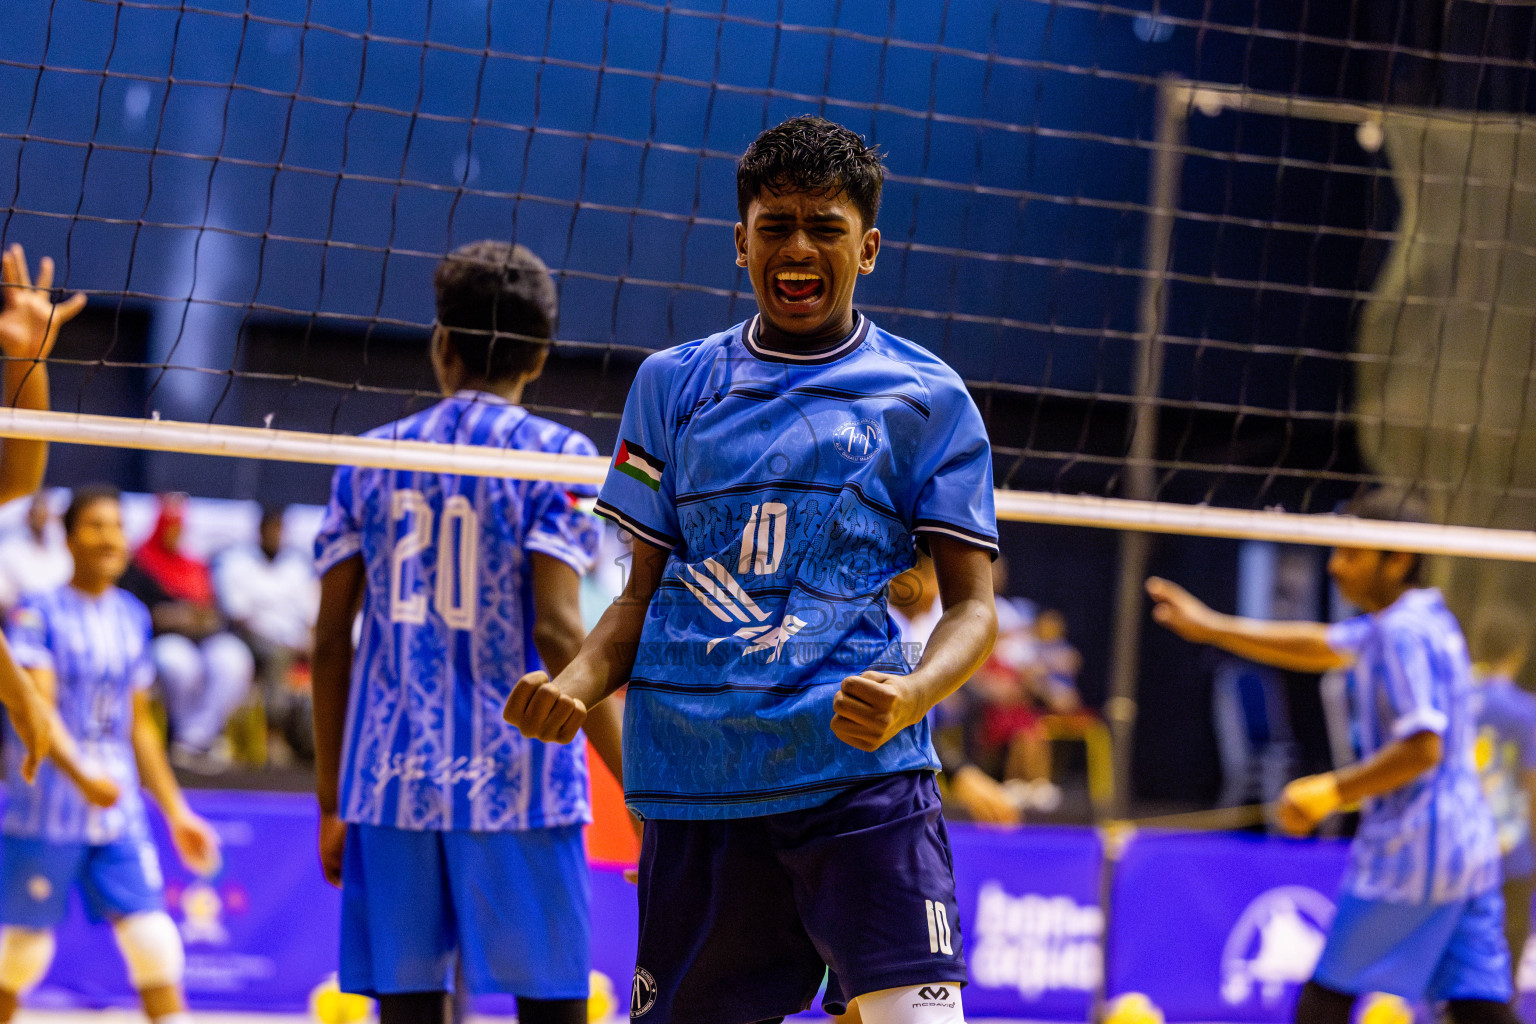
{"x":1432,"y":840}
{"x":98,"y":651}
{"x":447,"y":628}
{"x":790,"y":489}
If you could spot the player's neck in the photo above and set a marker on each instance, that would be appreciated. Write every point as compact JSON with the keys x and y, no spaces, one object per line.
{"x":770,"y":337}
{"x":1387,"y":596}
{"x":91,"y":586}
{"x":510,"y":391}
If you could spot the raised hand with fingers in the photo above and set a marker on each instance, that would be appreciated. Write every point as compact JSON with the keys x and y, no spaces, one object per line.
{"x":541,"y":711}
{"x":29,"y":318}
{"x":1179,"y":610}
{"x":197,"y":844}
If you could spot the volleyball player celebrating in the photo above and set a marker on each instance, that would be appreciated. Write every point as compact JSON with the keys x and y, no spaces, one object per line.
{"x":29,"y":326}
{"x":776,"y":476}
{"x":86,"y":646}
{"x":455,"y":840}
{"x":1420,"y":912}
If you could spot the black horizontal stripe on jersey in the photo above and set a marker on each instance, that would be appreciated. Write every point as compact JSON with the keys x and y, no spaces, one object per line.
{"x":964,"y":532}
{"x":772,"y":689}
{"x":806,"y":486}
{"x":639,"y":529}
{"x":750,"y":796}
{"x":674,"y":583}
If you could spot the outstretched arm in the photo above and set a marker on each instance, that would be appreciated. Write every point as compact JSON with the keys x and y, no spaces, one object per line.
{"x":1297,"y":646}
{"x":29,"y":327}
{"x":874,"y":706}
{"x":331,"y":681}
{"x":553,"y":709}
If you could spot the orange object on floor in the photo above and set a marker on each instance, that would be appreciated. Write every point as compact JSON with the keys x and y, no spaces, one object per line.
{"x":611,"y":837}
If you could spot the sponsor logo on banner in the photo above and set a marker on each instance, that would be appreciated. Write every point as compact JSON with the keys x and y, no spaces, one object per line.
{"x":1035,"y":943}
{"x":1275,"y":945}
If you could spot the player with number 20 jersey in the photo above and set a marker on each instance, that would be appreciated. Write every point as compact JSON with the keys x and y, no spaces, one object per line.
{"x":455,"y":838}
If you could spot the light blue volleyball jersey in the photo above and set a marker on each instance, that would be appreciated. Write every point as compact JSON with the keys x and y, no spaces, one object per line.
{"x":1431,"y":840}
{"x":447,"y":628}
{"x":790,"y":489}
{"x":98,"y":651}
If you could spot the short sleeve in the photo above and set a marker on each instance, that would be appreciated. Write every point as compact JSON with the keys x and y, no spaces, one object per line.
{"x":558,"y":527}
{"x":954,"y":463}
{"x":340,"y":535}
{"x":27,"y":631}
{"x":1409,"y":677}
{"x":1347,"y":636}
{"x":639,"y":493}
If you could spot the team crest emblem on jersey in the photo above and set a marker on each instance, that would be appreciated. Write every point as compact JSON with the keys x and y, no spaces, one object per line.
{"x":642,"y":994}
{"x":857,"y":440}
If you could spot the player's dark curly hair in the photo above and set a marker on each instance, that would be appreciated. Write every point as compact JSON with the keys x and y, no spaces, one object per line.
{"x":811,"y":154}
{"x":1391,"y":505}
{"x":498,"y":302}
{"x":82,"y":498}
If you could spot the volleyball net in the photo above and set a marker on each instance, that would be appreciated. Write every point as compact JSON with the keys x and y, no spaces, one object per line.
{"x":1195,"y":267}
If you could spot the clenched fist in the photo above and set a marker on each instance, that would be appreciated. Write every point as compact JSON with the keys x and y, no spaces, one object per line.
{"x":540,"y":711}
{"x":870,"y":708}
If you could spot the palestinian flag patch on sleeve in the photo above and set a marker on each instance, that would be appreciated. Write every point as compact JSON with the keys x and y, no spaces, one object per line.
{"x":634,"y":461}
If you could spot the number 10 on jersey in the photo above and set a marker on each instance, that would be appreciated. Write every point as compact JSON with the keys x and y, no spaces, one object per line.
{"x":458,"y":538}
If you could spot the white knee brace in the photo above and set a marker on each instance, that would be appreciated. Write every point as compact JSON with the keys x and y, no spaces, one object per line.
{"x":25,"y":954}
{"x":934,"y":1003}
{"x":152,"y":948}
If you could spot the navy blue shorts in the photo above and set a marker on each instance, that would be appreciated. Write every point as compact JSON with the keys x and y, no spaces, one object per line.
{"x":740,"y":919}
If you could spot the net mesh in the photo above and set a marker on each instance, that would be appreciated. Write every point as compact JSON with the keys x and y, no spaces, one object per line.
{"x":1224,"y":254}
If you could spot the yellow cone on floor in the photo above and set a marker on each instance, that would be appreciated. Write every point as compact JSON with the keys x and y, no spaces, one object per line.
{"x":328,"y":1004}
{"x":1383,"y":1008}
{"x":1136,"y":1008}
{"x":600,"y":1004}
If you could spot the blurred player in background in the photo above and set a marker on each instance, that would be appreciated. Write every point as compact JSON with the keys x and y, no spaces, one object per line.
{"x":776,"y":476}
{"x":456,"y":841}
{"x":1420,"y":913}
{"x":83,"y":824}
{"x":29,"y":327}
{"x":1506,"y":755}
{"x":915,"y":608}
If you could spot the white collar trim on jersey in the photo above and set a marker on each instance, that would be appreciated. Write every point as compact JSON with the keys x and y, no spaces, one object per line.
{"x":825,"y":355}
{"x":473,"y":395}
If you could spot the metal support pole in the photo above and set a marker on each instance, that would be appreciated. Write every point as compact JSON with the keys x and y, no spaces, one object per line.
{"x":1140,"y":476}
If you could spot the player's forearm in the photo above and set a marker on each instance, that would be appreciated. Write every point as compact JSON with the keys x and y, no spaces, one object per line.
{"x":1297,"y":646}
{"x":604,"y":728}
{"x":960,"y":643}
{"x":1392,"y":767}
{"x":330,"y":683}
{"x":154,"y":770}
{"x":23,"y":462}
{"x":606,"y":658}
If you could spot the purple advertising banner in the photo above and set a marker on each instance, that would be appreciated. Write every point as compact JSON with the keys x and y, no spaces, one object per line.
{"x":1220,"y":927}
{"x":1031,"y":920}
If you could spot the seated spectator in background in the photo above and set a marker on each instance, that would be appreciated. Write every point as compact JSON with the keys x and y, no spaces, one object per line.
{"x":1506,"y":756}
{"x":34,"y":559}
{"x":1031,"y":671}
{"x":915,"y":608}
{"x":271,"y":595}
{"x":204,"y":670}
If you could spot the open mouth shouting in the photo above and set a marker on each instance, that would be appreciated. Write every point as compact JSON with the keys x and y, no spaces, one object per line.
{"x":798,"y":288}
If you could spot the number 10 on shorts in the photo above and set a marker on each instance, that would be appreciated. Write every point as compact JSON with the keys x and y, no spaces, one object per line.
{"x":940,"y":939}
